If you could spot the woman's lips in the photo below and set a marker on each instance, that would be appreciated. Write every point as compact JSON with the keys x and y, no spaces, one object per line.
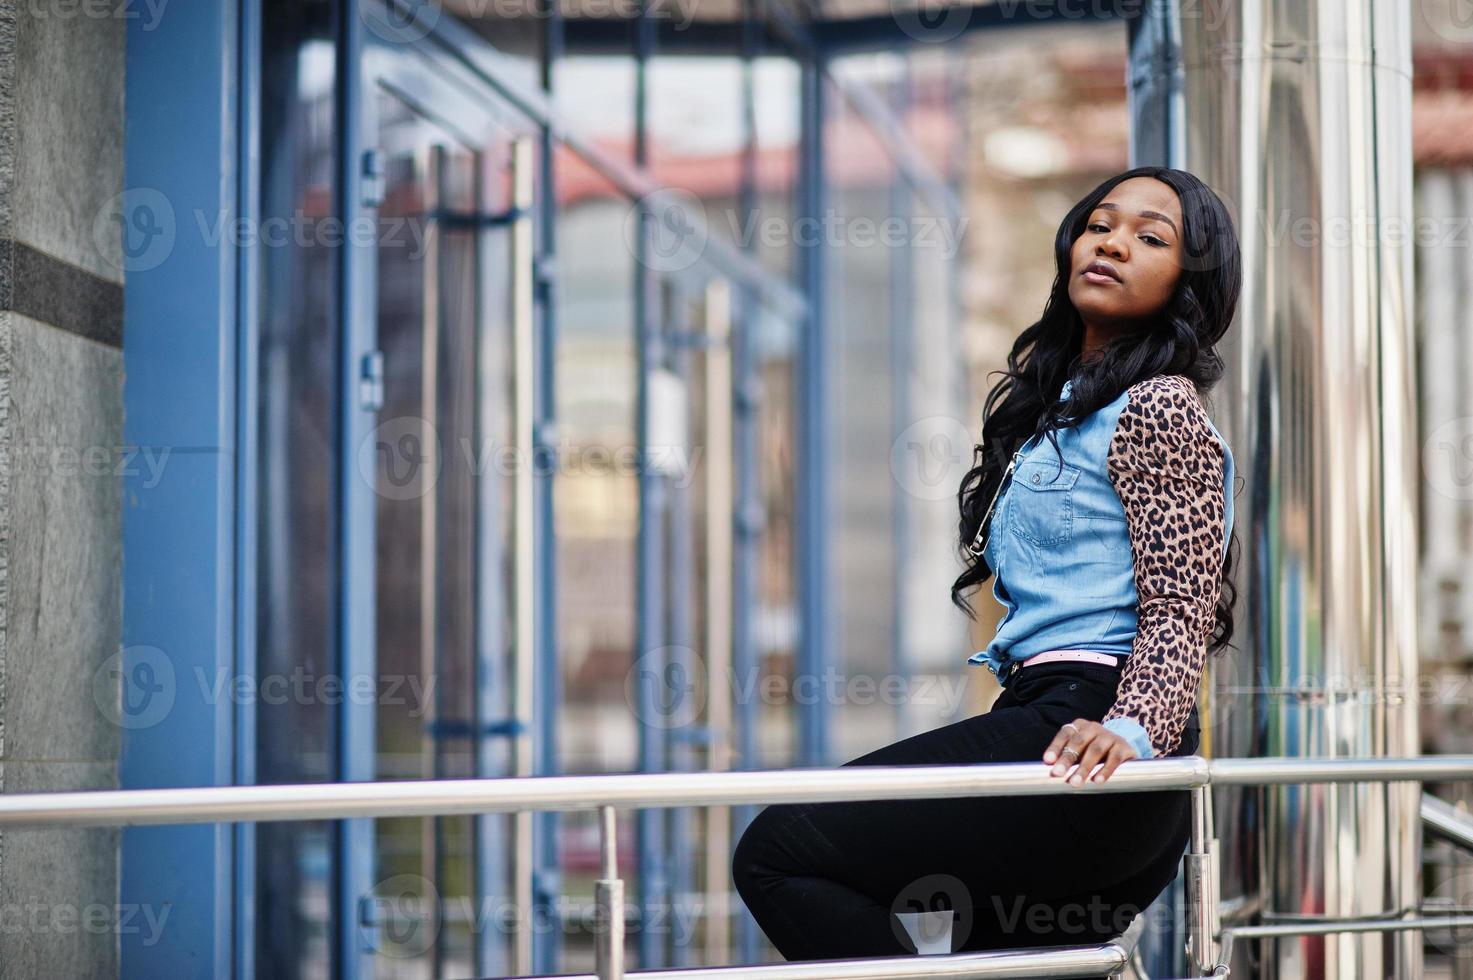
{"x":1100,"y":271}
{"x":1101,"y":279}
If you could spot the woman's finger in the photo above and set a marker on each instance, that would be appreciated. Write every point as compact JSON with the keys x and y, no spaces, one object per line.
{"x":1076,"y":736}
{"x":1120,"y":752}
{"x":1093,"y":753}
{"x":1060,"y":740}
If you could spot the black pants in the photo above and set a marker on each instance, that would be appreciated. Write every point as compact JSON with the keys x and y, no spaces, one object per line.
{"x":824,"y":880}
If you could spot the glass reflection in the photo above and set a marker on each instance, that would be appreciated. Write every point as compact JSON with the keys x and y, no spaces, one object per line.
{"x":296,"y":420}
{"x":444,"y":328}
{"x":444,"y":331}
{"x":777,"y":115}
{"x":596,"y":95}
{"x":697,"y":136}
{"x":861,"y":243}
{"x":597,"y":507}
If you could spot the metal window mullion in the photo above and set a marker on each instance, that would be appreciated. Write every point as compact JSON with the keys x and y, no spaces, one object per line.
{"x":432,"y":163}
{"x":746,"y":524}
{"x":247,"y":472}
{"x":719,"y":530}
{"x":814,"y":654}
{"x":681,"y":575}
{"x":523,"y":528}
{"x":902,"y":357}
{"x":651,"y":637}
{"x":653,"y":507}
{"x":356,"y":629}
{"x":491,"y":671}
{"x":547,"y":871}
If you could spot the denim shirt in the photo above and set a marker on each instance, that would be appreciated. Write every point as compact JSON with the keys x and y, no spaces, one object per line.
{"x":1064,"y":556}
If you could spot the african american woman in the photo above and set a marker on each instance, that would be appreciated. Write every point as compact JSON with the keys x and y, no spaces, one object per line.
{"x":1100,"y":505}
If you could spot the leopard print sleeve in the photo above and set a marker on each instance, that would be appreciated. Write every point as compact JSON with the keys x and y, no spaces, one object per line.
{"x":1167,"y":465}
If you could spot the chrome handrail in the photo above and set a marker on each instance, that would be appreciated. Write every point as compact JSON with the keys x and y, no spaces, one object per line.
{"x":400,"y":798}
{"x":606,"y":793}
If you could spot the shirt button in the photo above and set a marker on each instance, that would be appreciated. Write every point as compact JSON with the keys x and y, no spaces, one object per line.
{"x":1035,"y":478}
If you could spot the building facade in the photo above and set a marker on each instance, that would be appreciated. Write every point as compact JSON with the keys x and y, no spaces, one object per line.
{"x":411,"y":389}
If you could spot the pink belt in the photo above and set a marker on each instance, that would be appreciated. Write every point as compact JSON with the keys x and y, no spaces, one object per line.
{"x":1050,"y":656}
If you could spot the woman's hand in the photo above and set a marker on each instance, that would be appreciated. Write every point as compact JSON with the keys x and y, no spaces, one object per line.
{"x":1088,"y":743}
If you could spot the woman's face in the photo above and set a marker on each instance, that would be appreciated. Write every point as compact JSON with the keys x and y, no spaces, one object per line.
{"x":1135,"y":231}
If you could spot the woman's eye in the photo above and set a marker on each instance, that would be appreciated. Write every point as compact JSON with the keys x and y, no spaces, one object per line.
{"x":1096,"y":226}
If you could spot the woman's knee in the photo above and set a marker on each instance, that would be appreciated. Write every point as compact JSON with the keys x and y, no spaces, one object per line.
{"x":751,"y":854}
{"x":759,"y":852}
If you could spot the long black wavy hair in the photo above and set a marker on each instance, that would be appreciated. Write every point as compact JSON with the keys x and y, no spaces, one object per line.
{"x":1180,"y":340}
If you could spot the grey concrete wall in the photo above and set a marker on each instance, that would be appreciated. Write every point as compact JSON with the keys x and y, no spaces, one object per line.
{"x":61,"y":429}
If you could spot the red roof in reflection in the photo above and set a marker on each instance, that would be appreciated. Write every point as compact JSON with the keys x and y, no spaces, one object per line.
{"x":1090,"y":120}
{"x":853,"y":160}
{"x":1442,"y":128}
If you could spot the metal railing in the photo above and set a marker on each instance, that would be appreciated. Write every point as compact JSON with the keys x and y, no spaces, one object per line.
{"x":1208,"y":941}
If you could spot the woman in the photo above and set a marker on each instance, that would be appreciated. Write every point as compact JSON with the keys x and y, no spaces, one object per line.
{"x":1102,"y":509}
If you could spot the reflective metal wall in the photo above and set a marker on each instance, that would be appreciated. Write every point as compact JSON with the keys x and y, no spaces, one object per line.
{"x":1299,"y":115}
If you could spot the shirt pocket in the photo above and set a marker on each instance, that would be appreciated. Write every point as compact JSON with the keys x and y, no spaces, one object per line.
{"x":1043,"y":510}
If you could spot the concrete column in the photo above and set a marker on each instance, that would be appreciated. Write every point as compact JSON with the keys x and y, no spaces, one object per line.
{"x":61,"y":306}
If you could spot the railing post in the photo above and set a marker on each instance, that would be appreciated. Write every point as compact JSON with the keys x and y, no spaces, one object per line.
{"x":1202,"y":886}
{"x":608,"y":894}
